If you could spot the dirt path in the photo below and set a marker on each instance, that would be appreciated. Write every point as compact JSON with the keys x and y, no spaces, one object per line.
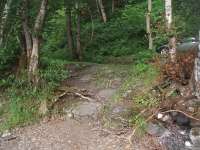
{"x":80,"y":128}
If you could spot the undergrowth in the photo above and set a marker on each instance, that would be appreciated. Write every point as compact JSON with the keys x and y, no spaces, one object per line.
{"x":21,"y":100}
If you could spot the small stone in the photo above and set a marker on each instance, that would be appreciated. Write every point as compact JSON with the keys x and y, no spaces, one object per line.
{"x":6,"y":134}
{"x":159,"y":116}
{"x":70,"y":115}
{"x":191,"y":109}
{"x":182,"y":132}
{"x":188,"y":144}
{"x":195,"y":136}
{"x":166,"y":118}
{"x":69,"y":141}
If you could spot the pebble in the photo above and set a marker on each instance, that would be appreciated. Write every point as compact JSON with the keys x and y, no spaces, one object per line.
{"x":191,"y":109}
{"x":6,"y":134}
{"x":195,"y":136}
{"x":159,"y":116}
{"x":188,"y":144}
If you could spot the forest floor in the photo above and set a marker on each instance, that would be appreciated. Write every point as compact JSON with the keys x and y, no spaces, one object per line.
{"x":85,"y":115}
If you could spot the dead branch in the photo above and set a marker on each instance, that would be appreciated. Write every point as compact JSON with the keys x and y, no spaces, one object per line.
{"x":189,"y":116}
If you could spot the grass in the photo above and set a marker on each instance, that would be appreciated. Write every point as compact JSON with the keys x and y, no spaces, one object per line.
{"x":23,"y":100}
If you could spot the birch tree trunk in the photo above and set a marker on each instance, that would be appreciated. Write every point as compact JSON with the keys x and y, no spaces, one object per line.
{"x":102,"y":9}
{"x":168,"y":13}
{"x":168,"y":18}
{"x":172,"y":50}
{"x":33,"y":64}
{"x":148,"y":23}
{"x":196,"y":73}
{"x":4,"y":17}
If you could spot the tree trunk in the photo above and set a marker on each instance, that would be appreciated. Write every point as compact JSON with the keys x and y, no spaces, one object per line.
{"x":69,"y":33}
{"x":102,"y":9}
{"x":78,"y":36}
{"x":22,"y":62}
{"x":148,"y":22}
{"x":98,"y":9}
{"x":113,"y":6}
{"x":4,"y":17}
{"x":168,"y":13}
{"x":33,"y":64}
{"x":26,"y":30}
{"x":195,"y":80}
{"x":172,"y":50}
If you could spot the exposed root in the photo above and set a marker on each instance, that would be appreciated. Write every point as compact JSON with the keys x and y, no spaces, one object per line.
{"x":84,"y":97}
{"x":135,"y":129}
{"x":75,"y":93}
{"x":133,"y":133}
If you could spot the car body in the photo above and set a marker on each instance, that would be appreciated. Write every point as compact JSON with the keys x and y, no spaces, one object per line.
{"x":185,"y":45}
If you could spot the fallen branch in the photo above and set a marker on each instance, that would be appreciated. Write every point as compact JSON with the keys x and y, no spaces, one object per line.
{"x":189,"y":116}
{"x":148,"y":119}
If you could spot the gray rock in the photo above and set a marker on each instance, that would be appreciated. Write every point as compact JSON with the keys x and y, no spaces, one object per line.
{"x":174,"y":140}
{"x":195,"y":136}
{"x":86,"y":109}
{"x":86,"y":78}
{"x":106,"y":93}
{"x":119,"y":110}
{"x":156,"y":129}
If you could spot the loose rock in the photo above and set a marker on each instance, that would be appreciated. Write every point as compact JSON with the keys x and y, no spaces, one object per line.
{"x":155,"y":129}
{"x":195,"y":136}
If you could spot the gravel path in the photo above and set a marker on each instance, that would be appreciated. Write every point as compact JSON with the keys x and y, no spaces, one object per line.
{"x":68,"y":134}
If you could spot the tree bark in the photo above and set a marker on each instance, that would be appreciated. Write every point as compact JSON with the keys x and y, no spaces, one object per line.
{"x":113,"y":6}
{"x":172,"y":51}
{"x":26,"y":30}
{"x":22,"y":62}
{"x":78,"y":36}
{"x":148,"y":23}
{"x":168,"y":13}
{"x":33,"y":64}
{"x":4,"y":17}
{"x":102,"y":9}
{"x":69,"y":33}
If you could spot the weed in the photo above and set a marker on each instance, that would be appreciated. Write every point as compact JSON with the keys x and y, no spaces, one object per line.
{"x":23,"y":100}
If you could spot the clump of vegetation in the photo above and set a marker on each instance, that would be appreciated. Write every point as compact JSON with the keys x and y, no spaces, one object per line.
{"x":22,"y":100}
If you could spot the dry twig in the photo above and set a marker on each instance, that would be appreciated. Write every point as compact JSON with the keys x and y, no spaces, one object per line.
{"x":189,"y":116}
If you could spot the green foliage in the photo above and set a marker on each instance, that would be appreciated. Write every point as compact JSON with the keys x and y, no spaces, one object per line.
{"x":24,"y":99}
{"x":8,"y":56}
{"x":119,"y":37}
{"x":139,"y":122}
{"x":53,"y":71}
{"x":145,"y":101}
